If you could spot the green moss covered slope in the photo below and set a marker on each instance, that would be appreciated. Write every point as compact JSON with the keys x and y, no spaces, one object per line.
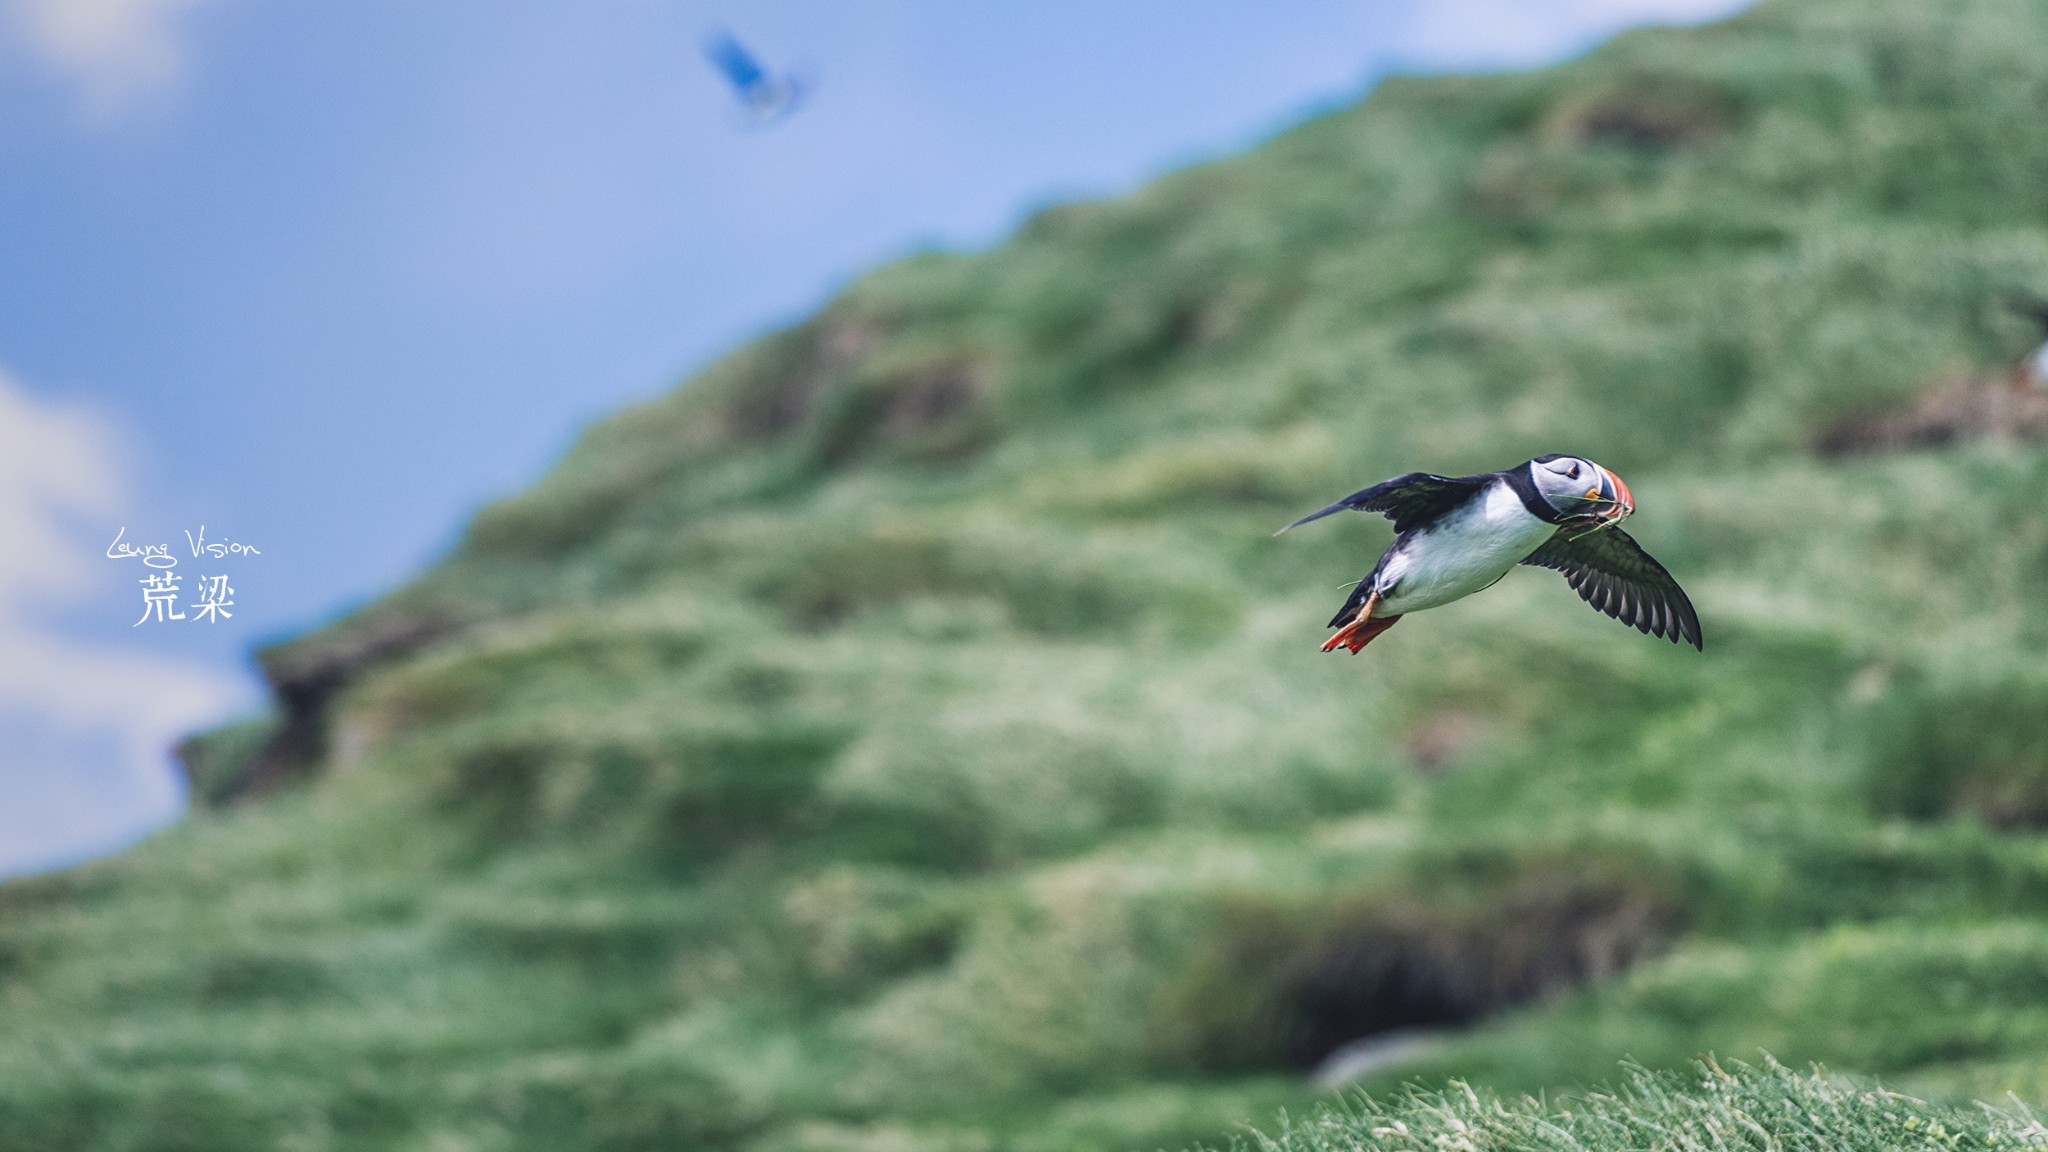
{"x":906,"y":735}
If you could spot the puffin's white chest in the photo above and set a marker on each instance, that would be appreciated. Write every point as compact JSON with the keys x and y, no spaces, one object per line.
{"x":1463,"y":553}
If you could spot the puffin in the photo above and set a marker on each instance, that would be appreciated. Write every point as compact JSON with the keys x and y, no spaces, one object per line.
{"x":2032,"y":373}
{"x":1456,"y":535}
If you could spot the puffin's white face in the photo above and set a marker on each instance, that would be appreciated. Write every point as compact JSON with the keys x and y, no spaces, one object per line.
{"x":1579,"y":488}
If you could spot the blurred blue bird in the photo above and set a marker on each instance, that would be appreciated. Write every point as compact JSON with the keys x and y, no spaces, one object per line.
{"x":765,"y":96}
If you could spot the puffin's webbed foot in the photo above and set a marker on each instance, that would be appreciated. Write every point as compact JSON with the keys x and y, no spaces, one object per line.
{"x":1362,"y":628}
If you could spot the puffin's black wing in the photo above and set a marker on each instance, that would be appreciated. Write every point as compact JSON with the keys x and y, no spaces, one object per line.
{"x":1610,"y":571}
{"x":1409,"y":501}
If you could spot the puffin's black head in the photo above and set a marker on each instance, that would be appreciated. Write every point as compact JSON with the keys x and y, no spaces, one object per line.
{"x":1581,"y":489}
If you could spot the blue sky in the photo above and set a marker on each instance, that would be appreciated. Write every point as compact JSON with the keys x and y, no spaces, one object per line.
{"x":325,"y":276}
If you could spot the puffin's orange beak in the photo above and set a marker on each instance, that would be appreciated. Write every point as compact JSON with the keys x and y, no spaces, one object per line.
{"x":1620,"y":503}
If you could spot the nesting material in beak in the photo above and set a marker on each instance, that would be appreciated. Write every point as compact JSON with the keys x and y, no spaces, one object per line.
{"x":1619,"y":503}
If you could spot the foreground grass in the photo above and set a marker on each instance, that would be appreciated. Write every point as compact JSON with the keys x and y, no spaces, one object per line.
{"x":1711,"y":1108}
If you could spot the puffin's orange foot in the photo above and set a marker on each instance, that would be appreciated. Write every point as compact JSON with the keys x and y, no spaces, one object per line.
{"x":1359,"y":633}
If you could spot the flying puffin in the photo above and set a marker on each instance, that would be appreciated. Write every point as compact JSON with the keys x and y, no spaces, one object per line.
{"x":1456,"y":535}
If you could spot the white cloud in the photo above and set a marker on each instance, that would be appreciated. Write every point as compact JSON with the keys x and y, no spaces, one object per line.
{"x":115,"y":710}
{"x":1516,"y":33}
{"x":114,"y":51}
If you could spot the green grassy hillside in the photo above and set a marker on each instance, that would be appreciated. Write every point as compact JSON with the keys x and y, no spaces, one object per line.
{"x":906,"y":735}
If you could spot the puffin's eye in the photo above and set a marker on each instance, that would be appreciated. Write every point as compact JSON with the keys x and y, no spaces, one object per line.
{"x":1573,"y":474}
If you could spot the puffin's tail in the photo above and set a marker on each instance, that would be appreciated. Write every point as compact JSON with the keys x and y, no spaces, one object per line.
{"x":1359,"y":633}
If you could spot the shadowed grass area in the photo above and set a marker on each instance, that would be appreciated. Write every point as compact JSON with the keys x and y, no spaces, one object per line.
{"x":908,"y":734}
